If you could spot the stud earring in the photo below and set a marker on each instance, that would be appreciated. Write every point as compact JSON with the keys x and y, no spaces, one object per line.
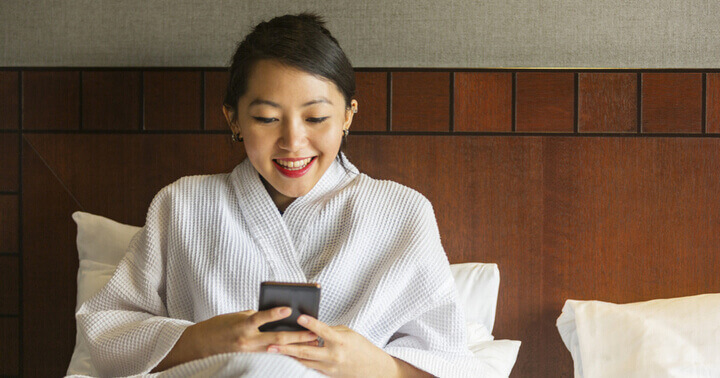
{"x":237,"y":138}
{"x":345,"y":133}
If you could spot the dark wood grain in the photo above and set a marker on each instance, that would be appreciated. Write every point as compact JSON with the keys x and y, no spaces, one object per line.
{"x":420,"y":101}
{"x":9,"y":224}
{"x":607,"y":102}
{"x":545,"y":102}
{"x":487,"y":200}
{"x":9,"y":99}
{"x":111,"y":175}
{"x":215,"y":87}
{"x":9,"y":285}
{"x":173,"y":100}
{"x":672,"y":102}
{"x":483,"y":101}
{"x":51,"y":100}
{"x":712,"y":101}
{"x":9,"y":346}
{"x":9,"y":162}
{"x":371,"y":94}
{"x":111,"y":100}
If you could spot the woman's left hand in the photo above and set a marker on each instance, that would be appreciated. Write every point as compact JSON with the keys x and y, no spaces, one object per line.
{"x":345,"y":352}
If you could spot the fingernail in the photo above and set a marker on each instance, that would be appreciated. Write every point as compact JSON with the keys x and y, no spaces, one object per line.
{"x":285,"y":311}
{"x":272,"y":350}
{"x":303,"y":320}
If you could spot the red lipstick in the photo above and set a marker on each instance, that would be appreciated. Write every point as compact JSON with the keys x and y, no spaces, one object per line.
{"x":294,"y":173}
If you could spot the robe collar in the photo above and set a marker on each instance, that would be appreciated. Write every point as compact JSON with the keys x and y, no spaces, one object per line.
{"x":281,"y":237}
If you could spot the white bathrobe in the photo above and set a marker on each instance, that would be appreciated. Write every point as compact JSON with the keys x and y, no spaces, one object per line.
{"x":209,"y":241}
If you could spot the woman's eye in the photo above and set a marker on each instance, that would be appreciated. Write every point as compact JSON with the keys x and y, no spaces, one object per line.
{"x":265,"y":120}
{"x":317,"y":119}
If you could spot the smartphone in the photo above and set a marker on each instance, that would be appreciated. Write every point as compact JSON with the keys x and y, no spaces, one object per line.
{"x":302,"y":298}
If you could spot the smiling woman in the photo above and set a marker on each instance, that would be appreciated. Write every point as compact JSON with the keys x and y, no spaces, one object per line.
{"x":184,"y":298}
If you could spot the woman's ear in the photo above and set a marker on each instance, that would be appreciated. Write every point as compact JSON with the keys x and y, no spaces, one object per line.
{"x":230,"y":118}
{"x":349,"y":113}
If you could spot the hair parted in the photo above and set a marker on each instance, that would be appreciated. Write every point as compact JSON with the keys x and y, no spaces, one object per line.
{"x":300,"y":41}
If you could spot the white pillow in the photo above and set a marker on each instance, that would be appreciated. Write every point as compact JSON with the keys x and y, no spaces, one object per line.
{"x":102,"y":243}
{"x":678,"y":337}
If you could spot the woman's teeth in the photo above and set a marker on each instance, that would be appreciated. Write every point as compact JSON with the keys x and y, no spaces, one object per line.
{"x":294,"y":165}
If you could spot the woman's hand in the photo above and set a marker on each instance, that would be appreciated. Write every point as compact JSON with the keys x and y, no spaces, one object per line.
{"x":234,"y":332}
{"x":345,"y":353}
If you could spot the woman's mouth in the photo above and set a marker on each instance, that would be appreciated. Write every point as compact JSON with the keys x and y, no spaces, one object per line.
{"x":294,"y":167}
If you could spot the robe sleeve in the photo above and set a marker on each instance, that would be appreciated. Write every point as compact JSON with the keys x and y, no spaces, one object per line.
{"x":126,"y":324}
{"x":435,"y":338}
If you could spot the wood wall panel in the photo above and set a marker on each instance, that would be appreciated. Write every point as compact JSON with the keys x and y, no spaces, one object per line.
{"x":173,"y":100}
{"x":215,"y":87}
{"x":9,"y":99}
{"x":9,"y":224}
{"x":483,"y":101}
{"x":420,"y":101}
{"x":51,"y":100}
{"x":9,"y":285}
{"x":672,"y":102}
{"x":371,"y":94}
{"x":111,"y":100}
{"x":487,"y":199}
{"x":712,"y":101}
{"x":9,"y":162}
{"x":607,"y":102}
{"x":545,"y":102}
{"x":9,"y":347}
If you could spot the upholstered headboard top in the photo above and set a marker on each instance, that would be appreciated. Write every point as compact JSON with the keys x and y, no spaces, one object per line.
{"x":578,"y":184}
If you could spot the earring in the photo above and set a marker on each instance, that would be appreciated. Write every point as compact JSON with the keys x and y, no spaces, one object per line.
{"x":345,"y":133}
{"x":237,"y":138}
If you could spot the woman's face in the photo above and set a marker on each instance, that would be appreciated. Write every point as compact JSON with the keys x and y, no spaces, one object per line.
{"x":292,"y":125}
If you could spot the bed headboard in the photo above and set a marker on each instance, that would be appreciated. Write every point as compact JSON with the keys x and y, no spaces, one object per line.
{"x":584,"y":184}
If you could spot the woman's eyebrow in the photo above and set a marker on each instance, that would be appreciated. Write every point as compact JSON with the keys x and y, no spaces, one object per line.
{"x":319,"y":100}
{"x":259,"y":101}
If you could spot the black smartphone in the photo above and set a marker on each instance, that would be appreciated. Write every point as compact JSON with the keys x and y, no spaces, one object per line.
{"x":302,"y":298}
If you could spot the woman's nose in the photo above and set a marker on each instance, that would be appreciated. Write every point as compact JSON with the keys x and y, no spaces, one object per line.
{"x":293,"y":135}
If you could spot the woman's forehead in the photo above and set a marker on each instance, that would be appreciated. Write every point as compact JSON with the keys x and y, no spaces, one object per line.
{"x":271,"y":81}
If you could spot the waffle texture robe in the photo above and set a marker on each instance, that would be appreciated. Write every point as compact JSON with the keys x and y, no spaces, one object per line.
{"x":209,"y":241}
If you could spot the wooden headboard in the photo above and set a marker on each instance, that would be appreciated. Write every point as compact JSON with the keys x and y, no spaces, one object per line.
{"x":581,"y":184}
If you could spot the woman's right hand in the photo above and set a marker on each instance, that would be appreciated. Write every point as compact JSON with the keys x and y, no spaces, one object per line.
{"x":234,"y":332}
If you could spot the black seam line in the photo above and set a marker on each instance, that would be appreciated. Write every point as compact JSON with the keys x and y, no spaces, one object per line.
{"x":389,"y":94}
{"x":452,"y":102}
{"x":203,"y":126}
{"x":704,"y":104}
{"x":576,"y":103}
{"x":56,"y":176}
{"x":20,"y":241}
{"x":639,"y":103}
{"x":20,"y":93}
{"x":380,"y":69}
{"x":513,"y":111}
{"x":9,"y":193}
{"x":142,"y":100}
{"x":9,"y":131}
{"x":9,"y":315}
{"x":80,"y":101}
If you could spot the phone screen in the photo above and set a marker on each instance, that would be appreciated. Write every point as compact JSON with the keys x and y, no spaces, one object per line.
{"x":302,"y":298}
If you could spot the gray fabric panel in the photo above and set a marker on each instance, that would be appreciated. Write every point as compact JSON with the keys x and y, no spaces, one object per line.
{"x":377,"y":33}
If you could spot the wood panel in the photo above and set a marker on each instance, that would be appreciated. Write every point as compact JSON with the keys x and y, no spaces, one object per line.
{"x":9,"y":347}
{"x":371,"y":94}
{"x":9,"y":162}
{"x":625,"y":220}
{"x":483,"y":101}
{"x":712,"y":101}
{"x":487,"y":199}
{"x":607,"y":102}
{"x":215,"y":87}
{"x":108,"y":174}
{"x":9,"y":285}
{"x":51,"y":100}
{"x":111,"y":100}
{"x":173,"y":100}
{"x":672,"y":102}
{"x":9,"y":99}
{"x":420,"y":101}
{"x":545,"y":102}
{"x":9,"y":224}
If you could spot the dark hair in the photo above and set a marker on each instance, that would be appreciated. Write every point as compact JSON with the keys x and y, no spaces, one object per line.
{"x":300,"y":41}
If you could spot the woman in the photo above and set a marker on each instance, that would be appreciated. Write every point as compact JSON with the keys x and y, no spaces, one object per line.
{"x":295,"y":210}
